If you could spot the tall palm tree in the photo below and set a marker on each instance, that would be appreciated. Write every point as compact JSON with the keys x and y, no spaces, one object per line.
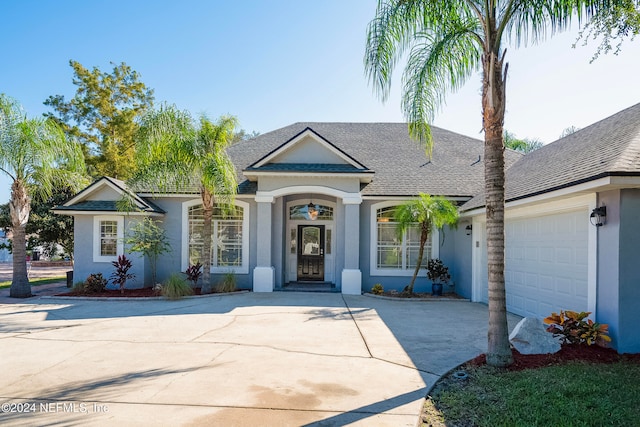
{"x":37,"y":157}
{"x":428,"y":212}
{"x":175,"y":153}
{"x":446,"y":42}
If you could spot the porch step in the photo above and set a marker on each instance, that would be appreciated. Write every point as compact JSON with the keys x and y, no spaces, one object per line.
{"x":309,"y":287}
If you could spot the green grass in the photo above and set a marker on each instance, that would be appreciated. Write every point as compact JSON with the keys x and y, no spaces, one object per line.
{"x":574,"y":394}
{"x":36,"y":282}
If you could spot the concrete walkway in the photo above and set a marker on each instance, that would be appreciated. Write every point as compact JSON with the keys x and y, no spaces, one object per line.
{"x":279,"y":359}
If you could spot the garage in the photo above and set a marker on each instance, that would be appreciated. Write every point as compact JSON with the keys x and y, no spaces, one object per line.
{"x":546,"y":263}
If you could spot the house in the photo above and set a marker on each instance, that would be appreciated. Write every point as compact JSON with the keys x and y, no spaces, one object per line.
{"x":316,"y":205}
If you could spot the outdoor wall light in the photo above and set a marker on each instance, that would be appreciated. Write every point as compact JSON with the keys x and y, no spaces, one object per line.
{"x":469,"y":228}
{"x":598,"y":216}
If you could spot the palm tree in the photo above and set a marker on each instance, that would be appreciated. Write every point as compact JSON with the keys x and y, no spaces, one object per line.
{"x":446,"y":42}
{"x":428,"y":212}
{"x":37,"y":157}
{"x":174,"y":153}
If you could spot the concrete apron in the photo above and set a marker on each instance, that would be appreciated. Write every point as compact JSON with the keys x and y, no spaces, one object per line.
{"x":286,"y":359}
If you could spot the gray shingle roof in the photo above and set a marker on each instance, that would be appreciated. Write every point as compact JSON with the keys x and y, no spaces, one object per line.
{"x":608,"y":147}
{"x":307,"y":167}
{"x":145,"y":204}
{"x":91,"y":206}
{"x":400,"y":164}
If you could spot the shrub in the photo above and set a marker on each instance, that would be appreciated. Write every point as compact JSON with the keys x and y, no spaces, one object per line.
{"x":121,"y":275}
{"x":193,"y":273}
{"x":175,"y":287}
{"x":377,"y":289}
{"x":437,"y":272}
{"x":95,"y":284}
{"x":227,"y":284}
{"x":572,"y":328}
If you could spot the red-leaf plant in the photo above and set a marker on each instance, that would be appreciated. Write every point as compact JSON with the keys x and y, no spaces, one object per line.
{"x":121,"y":275}
{"x":193,"y":273}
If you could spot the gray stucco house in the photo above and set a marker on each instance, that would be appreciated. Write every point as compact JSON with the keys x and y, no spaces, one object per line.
{"x":316,"y":205}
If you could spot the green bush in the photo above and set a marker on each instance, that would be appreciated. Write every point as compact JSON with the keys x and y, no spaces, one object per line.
{"x":377,"y":289}
{"x":227,"y":284}
{"x":95,"y":284}
{"x":175,"y":287}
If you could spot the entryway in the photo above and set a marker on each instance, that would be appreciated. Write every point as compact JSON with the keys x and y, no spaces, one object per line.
{"x":310,"y":253}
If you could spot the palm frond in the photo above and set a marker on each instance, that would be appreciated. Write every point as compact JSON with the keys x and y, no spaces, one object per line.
{"x":439,"y":62}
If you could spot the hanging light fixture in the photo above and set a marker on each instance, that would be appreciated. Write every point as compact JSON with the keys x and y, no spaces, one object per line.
{"x":312,"y":212}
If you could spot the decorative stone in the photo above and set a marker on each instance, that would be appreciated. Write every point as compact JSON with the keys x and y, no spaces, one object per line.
{"x":530,"y":337}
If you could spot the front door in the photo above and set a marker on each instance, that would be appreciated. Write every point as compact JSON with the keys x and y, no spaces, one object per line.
{"x":310,"y":253}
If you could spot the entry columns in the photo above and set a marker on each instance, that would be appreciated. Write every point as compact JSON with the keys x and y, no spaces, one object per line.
{"x":264,"y":273}
{"x":351,"y":274}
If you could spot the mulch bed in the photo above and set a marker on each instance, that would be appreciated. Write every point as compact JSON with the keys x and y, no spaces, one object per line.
{"x":128,"y":293}
{"x":427,"y":295}
{"x":568,"y":352}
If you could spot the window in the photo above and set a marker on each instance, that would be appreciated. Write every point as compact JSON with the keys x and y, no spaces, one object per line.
{"x":311,"y":212}
{"x":394,"y":254}
{"x":108,"y":238}
{"x":228,"y":240}
{"x":108,"y":235}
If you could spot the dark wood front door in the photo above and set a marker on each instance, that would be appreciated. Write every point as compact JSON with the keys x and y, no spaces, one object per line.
{"x":310,"y":253}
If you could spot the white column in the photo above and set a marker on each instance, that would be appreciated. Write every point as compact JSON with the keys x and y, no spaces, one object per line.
{"x":264,"y":273}
{"x":351,"y":274}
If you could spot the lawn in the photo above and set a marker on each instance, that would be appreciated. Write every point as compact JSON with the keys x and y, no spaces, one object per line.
{"x":36,"y":282}
{"x":572,"y":394}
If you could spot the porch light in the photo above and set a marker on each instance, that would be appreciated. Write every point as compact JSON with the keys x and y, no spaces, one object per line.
{"x":469,"y":228}
{"x":598,"y":216}
{"x":312,"y":212}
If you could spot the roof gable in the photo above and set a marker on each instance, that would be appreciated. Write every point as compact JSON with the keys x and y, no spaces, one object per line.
{"x":103,"y":196}
{"x":308,"y":147}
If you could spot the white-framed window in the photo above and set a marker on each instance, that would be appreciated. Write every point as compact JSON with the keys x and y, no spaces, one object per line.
{"x":108,"y":234}
{"x":393,"y":254}
{"x":229,"y":240}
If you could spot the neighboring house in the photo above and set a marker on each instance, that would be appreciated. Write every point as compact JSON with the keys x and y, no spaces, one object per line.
{"x":316,"y":205}
{"x":5,"y":255}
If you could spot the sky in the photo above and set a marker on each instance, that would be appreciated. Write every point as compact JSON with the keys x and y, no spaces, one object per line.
{"x":272,"y":63}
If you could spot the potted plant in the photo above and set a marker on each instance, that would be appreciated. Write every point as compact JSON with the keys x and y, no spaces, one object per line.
{"x":438,"y":273}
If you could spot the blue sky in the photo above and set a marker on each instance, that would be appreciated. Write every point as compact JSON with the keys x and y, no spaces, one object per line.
{"x":272,"y":63}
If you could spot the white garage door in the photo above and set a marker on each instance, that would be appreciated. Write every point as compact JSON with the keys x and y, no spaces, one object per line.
{"x":546,"y":264}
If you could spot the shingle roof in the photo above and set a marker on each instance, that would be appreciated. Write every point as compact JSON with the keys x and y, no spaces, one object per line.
{"x":142,"y":203}
{"x":307,"y":167}
{"x":608,"y":147}
{"x":91,"y":206}
{"x":400,"y":164}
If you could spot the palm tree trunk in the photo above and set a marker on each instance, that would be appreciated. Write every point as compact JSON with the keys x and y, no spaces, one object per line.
{"x":493,"y":108}
{"x":424,"y":234}
{"x":207,"y":209}
{"x":19,"y":207}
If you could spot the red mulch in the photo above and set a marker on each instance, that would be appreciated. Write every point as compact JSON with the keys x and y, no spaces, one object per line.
{"x":128,"y":293}
{"x":568,"y":352}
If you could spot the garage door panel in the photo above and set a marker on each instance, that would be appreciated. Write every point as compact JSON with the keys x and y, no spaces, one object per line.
{"x":546,"y":263}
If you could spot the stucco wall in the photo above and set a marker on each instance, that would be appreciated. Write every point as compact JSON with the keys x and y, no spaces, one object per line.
{"x":629,"y":281}
{"x":618,"y":288}
{"x":83,"y":254}
{"x":456,"y":254}
{"x":269,"y":183}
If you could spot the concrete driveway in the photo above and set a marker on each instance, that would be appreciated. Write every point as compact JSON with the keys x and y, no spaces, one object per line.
{"x":282,"y":359}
